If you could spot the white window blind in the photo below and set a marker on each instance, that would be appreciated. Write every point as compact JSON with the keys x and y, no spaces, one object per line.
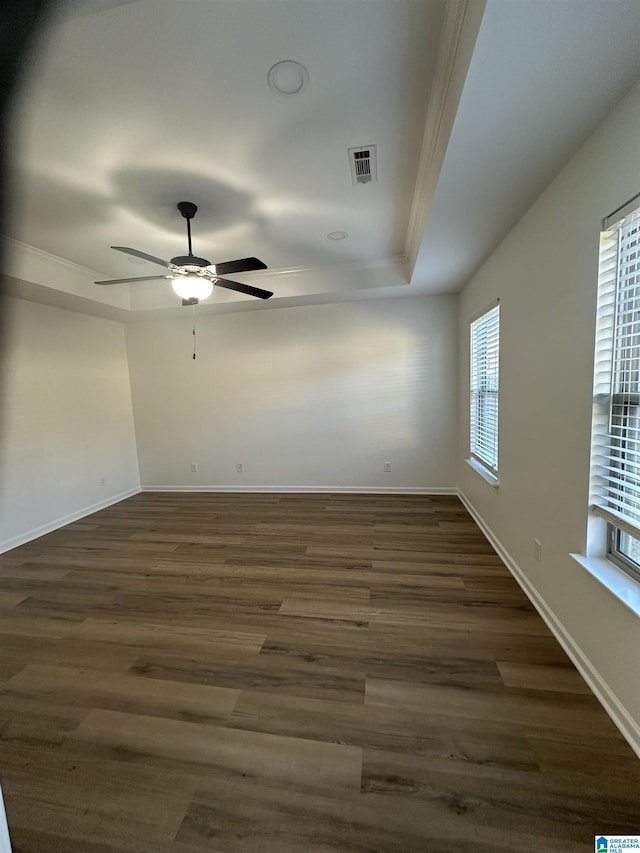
{"x":615,"y":463}
{"x":485,"y":345}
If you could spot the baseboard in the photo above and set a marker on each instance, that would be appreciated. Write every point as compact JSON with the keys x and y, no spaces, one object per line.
{"x":621,"y":718}
{"x":36,"y":532}
{"x":5,"y":841}
{"x":347,"y":490}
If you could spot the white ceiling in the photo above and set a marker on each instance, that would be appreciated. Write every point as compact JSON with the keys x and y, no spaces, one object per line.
{"x":133,"y":105}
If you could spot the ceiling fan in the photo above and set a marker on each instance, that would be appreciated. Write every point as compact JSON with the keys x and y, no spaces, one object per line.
{"x":193,"y":278}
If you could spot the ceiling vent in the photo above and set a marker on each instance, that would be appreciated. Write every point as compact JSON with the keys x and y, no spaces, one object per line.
{"x":364,"y":168}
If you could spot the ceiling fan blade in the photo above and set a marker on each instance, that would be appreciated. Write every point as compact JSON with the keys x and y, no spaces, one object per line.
{"x":241,"y":265}
{"x":143,"y":255}
{"x":243,"y":288}
{"x":128,"y":280}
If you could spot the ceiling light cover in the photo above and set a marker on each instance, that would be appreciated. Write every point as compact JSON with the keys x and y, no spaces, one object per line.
{"x":192,"y":286}
{"x":288,"y":77}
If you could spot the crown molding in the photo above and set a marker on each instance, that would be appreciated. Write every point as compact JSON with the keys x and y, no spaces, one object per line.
{"x":18,"y":247}
{"x":392,"y":262}
{"x":40,"y":276}
{"x":459,"y":32}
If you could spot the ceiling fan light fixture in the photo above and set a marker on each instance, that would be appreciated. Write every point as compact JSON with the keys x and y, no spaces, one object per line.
{"x":192,"y":278}
{"x":192,"y":286}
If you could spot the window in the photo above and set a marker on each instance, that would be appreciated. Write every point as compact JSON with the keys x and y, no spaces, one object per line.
{"x":485,"y":341}
{"x":615,"y":463}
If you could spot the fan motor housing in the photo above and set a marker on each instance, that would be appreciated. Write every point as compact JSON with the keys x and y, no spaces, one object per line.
{"x":190,"y":261}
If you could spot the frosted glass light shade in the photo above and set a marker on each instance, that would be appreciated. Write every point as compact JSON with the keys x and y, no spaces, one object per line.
{"x":192,"y":286}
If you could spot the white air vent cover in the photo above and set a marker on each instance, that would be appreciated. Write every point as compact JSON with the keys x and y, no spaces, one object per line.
{"x":364,"y":168}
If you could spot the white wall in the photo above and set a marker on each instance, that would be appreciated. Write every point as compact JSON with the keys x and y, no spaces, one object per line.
{"x":545,"y":274}
{"x":316,"y":397}
{"x":66,"y":419}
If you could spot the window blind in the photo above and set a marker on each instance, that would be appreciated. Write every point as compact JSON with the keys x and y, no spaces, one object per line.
{"x":615,"y":468}
{"x":485,"y":344}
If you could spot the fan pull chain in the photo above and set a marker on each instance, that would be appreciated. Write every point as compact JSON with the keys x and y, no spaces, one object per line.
{"x":193,"y":308}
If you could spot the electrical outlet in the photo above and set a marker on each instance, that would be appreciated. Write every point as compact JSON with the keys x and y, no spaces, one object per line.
{"x":103,"y":481}
{"x":239,"y":468}
{"x":194,"y":468}
{"x":387,"y":467}
{"x":537,"y":550}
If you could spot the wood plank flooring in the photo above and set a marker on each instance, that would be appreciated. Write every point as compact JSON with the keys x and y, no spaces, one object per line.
{"x":292,"y":674}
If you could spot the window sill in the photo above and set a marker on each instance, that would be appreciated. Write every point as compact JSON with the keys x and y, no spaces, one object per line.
{"x":479,"y":468}
{"x":617,"y":581}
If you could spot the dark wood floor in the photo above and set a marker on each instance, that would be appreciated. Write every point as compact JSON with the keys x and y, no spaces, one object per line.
{"x":292,"y":674}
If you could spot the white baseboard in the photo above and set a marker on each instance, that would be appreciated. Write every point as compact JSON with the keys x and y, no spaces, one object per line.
{"x":5,"y":841}
{"x":621,"y":718}
{"x":56,"y":524}
{"x":347,"y":490}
